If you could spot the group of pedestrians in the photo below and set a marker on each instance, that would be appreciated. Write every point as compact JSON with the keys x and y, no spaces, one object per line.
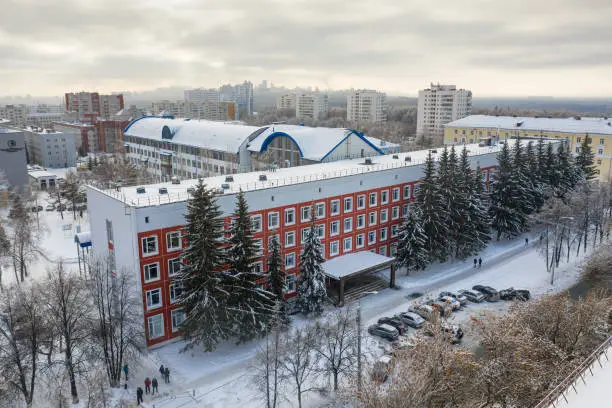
{"x":477,"y":262}
{"x":148,"y":383}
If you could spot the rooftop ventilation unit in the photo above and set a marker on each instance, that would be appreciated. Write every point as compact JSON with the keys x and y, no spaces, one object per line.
{"x":263,"y":177}
{"x":434,"y":151}
{"x":407,"y":159}
{"x":175,"y":180}
{"x":395,"y":156}
{"x":519,"y":124}
{"x":229,"y":179}
{"x":225,"y":186}
{"x":368,"y":161}
{"x":163,"y":190}
{"x":140,"y":190}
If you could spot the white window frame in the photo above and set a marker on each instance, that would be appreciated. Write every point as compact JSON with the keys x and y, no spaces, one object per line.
{"x":334,"y":203}
{"x":347,"y":244}
{"x":395,"y":230}
{"x":144,"y":245}
{"x":149,"y":331}
{"x":319,"y":210}
{"x":320,"y":230}
{"x":346,"y":229}
{"x":306,"y":213}
{"x":277,"y":238}
{"x":361,"y":221}
{"x":372,"y":218}
{"x":407,"y":190}
{"x":259,"y":248}
{"x":383,"y":234}
{"x":172,"y":291}
{"x":393,"y":249}
{"x":174,"y":312}
{"x":270,"y":216}
{"x":332,"y":245}
{"x":149,"y":298}
{"x":289,"y":239}
{"x":395,"y":211}
{"x":395,"y":194}
{"x":257,"y":267}
{"x":170,"y":268}
{"x":360,"y":237}
{"x":291,"y":212}
{"x":147,"y":271}
{"x":348,"y":204}
{"x":361,"y":201}
{"x":335,"y":223}
{"x":255,"y":221}
{"x":383,"y":250}
{"x":384,"y":216}
{"x":290,"y":256}
{"x":370,"y":235}
{"x":304,"y":234}
{"x":372,"y":203}
{"x":384,"y":197}
{"x":405,"y":210}
{"x":169,"y":237}
{"x":290,"y":283}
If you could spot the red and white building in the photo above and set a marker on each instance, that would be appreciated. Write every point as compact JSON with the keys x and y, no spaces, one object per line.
{"x":91,"y":105}
{"x":357,"y":205}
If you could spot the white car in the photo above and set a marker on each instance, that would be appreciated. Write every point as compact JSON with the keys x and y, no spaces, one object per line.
{"x":453,"y":303}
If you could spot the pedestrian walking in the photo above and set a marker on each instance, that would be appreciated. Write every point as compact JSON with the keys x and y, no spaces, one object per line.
{"x":147,"y":385}
{"x":479,"y":262}
{"x":162,"y":371}
{"x":125,"y":370}
{"x":526,"y":242}
{"x":475,"y":262}
{"x":139,"y":399}
{"x":154,"y":384}
{"x":167,"y":375}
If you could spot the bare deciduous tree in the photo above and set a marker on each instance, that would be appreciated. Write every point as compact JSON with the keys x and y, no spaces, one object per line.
{"x":299,"y":361}
{"x":267,"y":368}
{"x":23,"y":240}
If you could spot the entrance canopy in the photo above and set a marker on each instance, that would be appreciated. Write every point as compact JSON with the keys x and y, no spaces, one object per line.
{"x":83,"y":239}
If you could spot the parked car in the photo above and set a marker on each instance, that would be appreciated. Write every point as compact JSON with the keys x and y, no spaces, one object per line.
{"x":50,"y":207}
{"x":512,"y":294}
{"x":385,"y":331}
{"x":457,"y":296}
{"x":411,"y":319}
{"x":522,"y":294}
{"x":453,"y":303}
{"x":394,"y":321}
{"x":425,"y":311}
{"x":383,"y":368}
{"x":490,"y":294}
{"x":472,"y":296}
{"x":442,"y":308}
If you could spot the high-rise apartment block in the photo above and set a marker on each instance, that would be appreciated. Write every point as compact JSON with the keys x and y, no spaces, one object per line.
{"x":91,"y":105}
{"x":439,"y":105}
{"x":51,"y":149}
{"x":366,"y":106}
{"x":244,"y":96}
{"x":286,"y":101}
{"x":16,"y":115}
{"x":201,"y":95}
{"x":311,"y":105}
{"x":219,"y":111}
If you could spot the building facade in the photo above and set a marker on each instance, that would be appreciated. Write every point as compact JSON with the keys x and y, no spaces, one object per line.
{"x":366,"y":106}
{"x":85,"y":136}
{"x":439,"y":105}
{"x":217,"y":111}
{"x":483,"y":128}
{"x":91,"y":105}
{"x":286,"y":101}
{"x":51,"y":149}
{"x":355,"y":205}
{"x":201,"y":95}
{"x":17,"y":115}
{"x":311,"y":105}
{"x":13,"y":160}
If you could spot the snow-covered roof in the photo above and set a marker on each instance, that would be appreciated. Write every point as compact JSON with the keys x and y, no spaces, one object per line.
{"x":221,"y":136}
{"x":382,"y":144}
{"x":40,"y":173}
{"x":355,"y":263}
{"x":601,"y":126}
{"x":314,"y":143}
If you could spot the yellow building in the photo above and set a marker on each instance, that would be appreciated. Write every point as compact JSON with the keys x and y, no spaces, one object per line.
{"x":488,"y":129}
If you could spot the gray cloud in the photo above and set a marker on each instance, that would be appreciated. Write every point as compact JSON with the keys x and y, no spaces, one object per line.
{"x":395,"y":45}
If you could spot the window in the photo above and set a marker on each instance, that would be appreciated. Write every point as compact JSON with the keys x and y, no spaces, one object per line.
{"x":335,"y":207}
{"x":153,"y":298}
{"x":255,"y":223}
{"x":290,"y":283}
{"x":305,"y":232}
{"x":348,"y":204}
{"x":333,"y":248}
{"x":289,"y":239}
{"x":395,"y":213}
{"x":407,"y":192}
{"x":601,"y":141}
{"x":348,"y":225}
{"x":320,"y":231}
{"x":258,"y":246}
{"x":273,"y":220}
{"x":173,"y":240}
{"x":306,"y":213}
{"x":290,"y":216}
{"x":320,"y":210}
{"x":156,"y":326}
{"x":384,"y":216}
{"x":599,"y":161}
{"x":395,"y":196}
{"x":600,"y":151}
{"x":257,"y":267}
{"x":394,"y":231}
{"x":405,"y":209}
{"x":290,"y":260}
{"x":151,"y":272}
{"x":334,"y":228}
{"x":371,"y":237}
{"x":174,"y":266}
{"x":373,"y":199}
{"x":383,"y":234}
{"x":149,"y":245}
{"x":372,"y":218}
{"x":176,"y":288}
{"x":384,"y":197}
{"x":109,"y":231}
{"x":178,"y":317}
{"x":360,"y":202}
{"x":359,"y":243}
{"x":348,"y":244}
{"x":383,"y":250}
{"x":271,"y":237}
{"x":360,"y":221}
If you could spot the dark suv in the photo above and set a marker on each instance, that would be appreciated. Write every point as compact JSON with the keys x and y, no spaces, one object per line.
{"x":490,"y":294}
{"x":395,"y":322}
{"x":385,"y":331}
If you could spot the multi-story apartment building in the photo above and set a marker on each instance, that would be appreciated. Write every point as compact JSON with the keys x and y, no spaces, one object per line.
{"x":355,"y":205}
{"x":439,"y":105}
{"x":91,"y":105}
{"x":244,"y":97}
{"x":51,"y":149}
{"x":366,"y":106}
{"x":220,"y":111}
{"x":13,"y":161}
{"x":201,"y":95}
{"x":311,"y":105}
{"x":44,"y":120}
{"x":17,"y":115}
{"x":286,"y":101}
{"x":484,"y":129}
{"x":85,"y":136}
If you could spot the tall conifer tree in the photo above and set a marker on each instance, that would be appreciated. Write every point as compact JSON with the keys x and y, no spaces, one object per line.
{"x":585,"y":159}
{"x":276,"y":280}
{"x":312,"y":293}
{"x":412,"y":251}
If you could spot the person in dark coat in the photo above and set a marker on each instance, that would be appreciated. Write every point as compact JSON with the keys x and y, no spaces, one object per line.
{"x":139,"y":399}
{"x":147,"y":383}
{"x":125,"y":370}
{"x":161,"y":370}
{"x":526,"y":242}
{"x":167,"y":375}
{"x":479,"y":262}
{"x":154,"y":384}
{"x":475,"y":262}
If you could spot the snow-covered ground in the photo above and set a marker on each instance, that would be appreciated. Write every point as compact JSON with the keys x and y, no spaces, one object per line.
{"x":594,"y":391}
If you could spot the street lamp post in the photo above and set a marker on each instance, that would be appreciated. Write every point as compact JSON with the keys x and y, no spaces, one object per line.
{"x":359,"y":337}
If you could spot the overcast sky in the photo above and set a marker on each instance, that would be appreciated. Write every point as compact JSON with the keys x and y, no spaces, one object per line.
{"x":494,"y":48}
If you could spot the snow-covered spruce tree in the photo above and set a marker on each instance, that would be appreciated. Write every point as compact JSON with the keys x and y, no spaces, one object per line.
{"x":276,"y":280}
{"x":434,"y":214}
{"x":584,"y":159}
{"x":250,"y":306}
{"x":311,"y":291}
{"x":541,"y":162}
{"x":412,"y":252}
{"x":568,"y":173}
{"x":481,"y":221}
{"x":534,"y":175}
{"x":205,"y":295}
{"x":506,"y":219}
{"x":550,"y":170}
{"x":453,"y":198}
{"x":522,"y":181}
